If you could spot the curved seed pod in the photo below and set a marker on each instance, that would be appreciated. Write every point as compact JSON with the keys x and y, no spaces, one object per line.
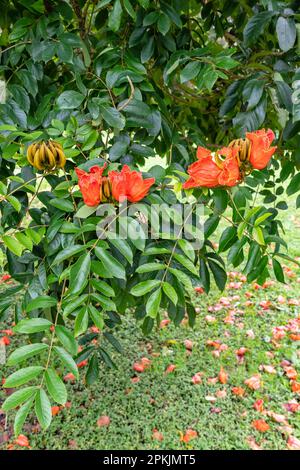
{"x":37,"y":163}
{"x":50,"y":159}
{"x":52,"y":148}
{"x":30,"y":154}
{"x":56,"y":144}
{"x":60,"y":159}
{"x":42,"y":155}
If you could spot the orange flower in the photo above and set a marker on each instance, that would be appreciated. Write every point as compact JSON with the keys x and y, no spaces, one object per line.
{"x":90,"y":184}
{"x":211,"y":172}
{"x":261,"y":152}
{"x":260,"y":425}
{"x":129,"y":184}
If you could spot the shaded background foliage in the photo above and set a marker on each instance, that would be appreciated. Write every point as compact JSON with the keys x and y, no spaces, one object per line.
{"x":121,"y":81}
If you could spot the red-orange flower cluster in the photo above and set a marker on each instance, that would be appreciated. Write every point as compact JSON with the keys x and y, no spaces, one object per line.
{"x":124,"y":184}
{"x":209,"y":171}
{"x":228,"y":166}
{"x":127,"y":184}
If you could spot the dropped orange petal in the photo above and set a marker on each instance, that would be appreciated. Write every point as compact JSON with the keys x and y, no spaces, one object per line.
{"x":223,"y":376}
{"x":55,"y":410}
{"x":145,"y":362}
{"x":103,"y":421}
{"x":138,"y":367}
{"x":196,"y":379}
{"x":188,"y":344}
{"x":253,"y":382}
{"x":69,"y":377}
{"x":189,"y":435}
{"x":170,"y":369}
{"x":293,"y":443}
{"x":295,"y":386}
{"x":22,"y":441}
{"x":260,"y":425}
{"x":253,"y":444}
{"x":238,"y":391}
{"x":259,"y":405}
{"x":221,"y":394}
{"x":157,"y":436}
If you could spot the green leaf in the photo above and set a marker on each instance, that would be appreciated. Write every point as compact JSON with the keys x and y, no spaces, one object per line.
{"x":252,"y":92}
{"x":115,"y":16}
{"x":153,"y":303}
{"x":256,"y":25}
{"x":73,"y":304}
{"x":123,"y":247}
{"x":190,"y":71}
{"x":144,"y":287}
{"x":103,"y":287}
{"x":163,"y":23}
{"x":92,"y":373}
{"x":286,"y":32}
{"x":113,"y":117}
{"x":55,"y":386}
{"x":219,"y":274}
{"x":186,"y":263}
{"x":170,"y":292}
{"x":110,"y":263}
{"x":43,"y":409}
{"x":183,"y":278}
{"x":43,"y":301}
{"x":278,"y":271}
{"x":85,"y":211}
{"x":106,"y":303}
{"x":150,"y":267}
{"x":62,"y":204}
{"x":81,"y":322}
{"x":21,"y":415}
{"x":67,"y":339}
{"x":227,"y":238}
{"x":32,"y":325}
{"x":68,"y":361}
{"x":24,"y":240}
{"x":16,"y":205}
{"x":70,"y":99}
{"x":24,"y":352}
{"x":18,"y":397}
{"x":13,"y":245}
{"x":294,"y":185}
{"x":96,"y":316}
{"x":22,"y":376}
{"x":79,"y":274}
{"x":129,"y":8}
{"x":68,"y":253}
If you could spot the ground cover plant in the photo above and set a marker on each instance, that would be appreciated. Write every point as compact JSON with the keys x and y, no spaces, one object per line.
{"x":90,"y":93}
{"x":183,"y":388}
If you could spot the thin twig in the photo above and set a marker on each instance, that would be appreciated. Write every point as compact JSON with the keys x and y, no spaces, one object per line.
{"x":120,"y":108}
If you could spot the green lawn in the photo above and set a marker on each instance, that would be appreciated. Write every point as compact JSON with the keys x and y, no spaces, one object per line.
{"x":171,"y":403}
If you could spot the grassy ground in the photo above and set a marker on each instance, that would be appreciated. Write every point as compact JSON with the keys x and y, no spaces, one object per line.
{"x":138,"y":404}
